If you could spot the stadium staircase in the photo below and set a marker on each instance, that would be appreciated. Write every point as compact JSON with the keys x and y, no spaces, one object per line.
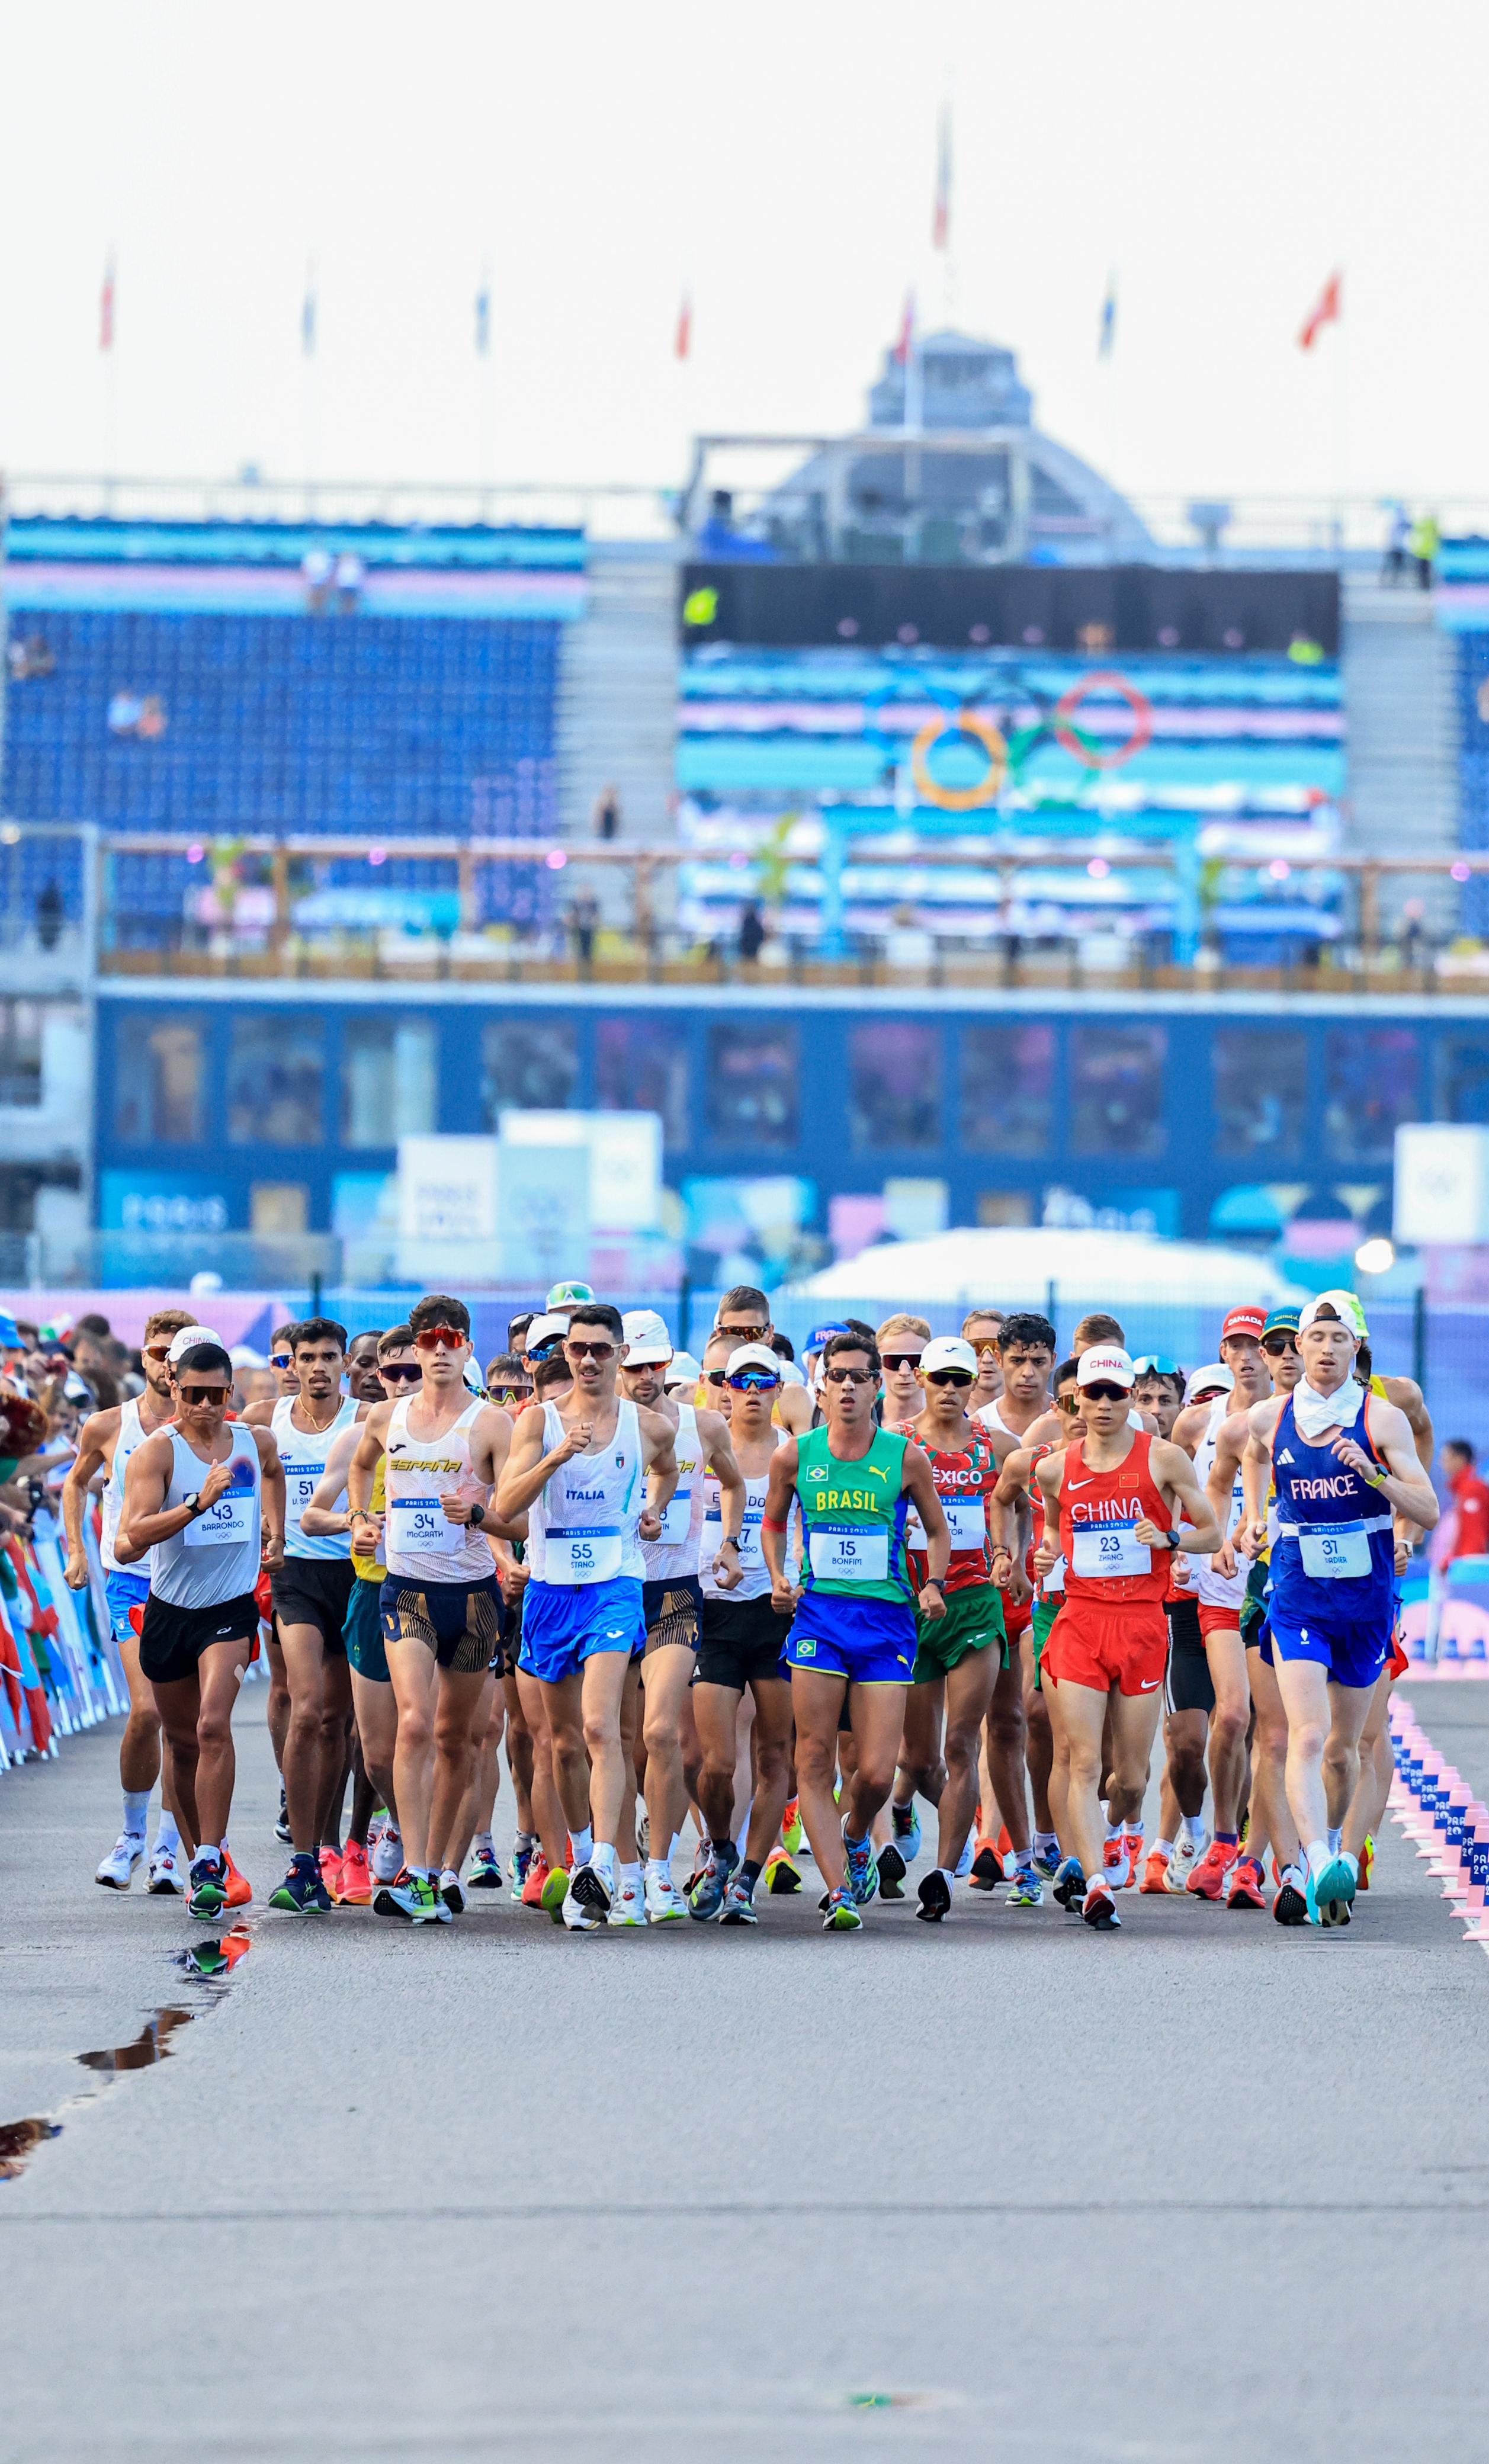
{"x":1399,"y":669}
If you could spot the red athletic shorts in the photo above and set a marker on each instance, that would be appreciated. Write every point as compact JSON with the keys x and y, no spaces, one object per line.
{"x":1216,"y":1620}
{"x":1126,"y":1647}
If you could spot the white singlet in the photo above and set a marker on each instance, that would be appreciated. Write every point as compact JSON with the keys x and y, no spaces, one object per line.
{"x":304,"y":1453}
{"x":132,"y":1433}
{"x":581,"y":1525}
{"x":676,"y":1552}
{"x":1217,"y":1590}
{"x":418,"y":1474}
{"x":754,"y":1576}
{"x":217,"y":1556}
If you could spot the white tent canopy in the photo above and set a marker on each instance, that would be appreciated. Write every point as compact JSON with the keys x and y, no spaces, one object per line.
{"x":1015,"y":1268}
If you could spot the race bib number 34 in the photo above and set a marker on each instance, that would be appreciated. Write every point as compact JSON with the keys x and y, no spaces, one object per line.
{"x":417,"y":1527}
{"x":849,"y":1555}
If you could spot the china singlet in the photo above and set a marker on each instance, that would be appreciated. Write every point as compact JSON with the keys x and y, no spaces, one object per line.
{"x":216,"y":1558}
{"x":964,"y":1484}
{"x":581,"y":1525}
{"x":853,"y":1516}
{"x":1050,"y":1586}
{"x":421,"y":1547}
{"x":1216,"y":1591}
{"x":676,"y":1552}
{"x":304,"y":1453}
{"x":754,"y":1576}
{"x":1099,"y":1511}
{"x":132,"y":1434}
{"x":1334,"y":1557}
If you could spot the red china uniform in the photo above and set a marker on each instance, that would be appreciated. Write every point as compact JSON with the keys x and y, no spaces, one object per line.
{"x":1112,"y":1630}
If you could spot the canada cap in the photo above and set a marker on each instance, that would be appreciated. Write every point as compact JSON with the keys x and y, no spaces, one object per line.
{"x":1249,"y":1320}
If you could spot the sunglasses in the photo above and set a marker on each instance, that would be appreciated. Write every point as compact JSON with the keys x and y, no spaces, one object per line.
{"x":1067,"y":1403}
{"x":431,"y":1337}
{"x":156,"y":1351}
{"x":754,"y":1381}
{"x":715,"y":1378}
{"x":578,"y":1350}
{"x":744,"y":1334}
{"x":950,"y":1377}
{"x":850,"y":1377}
{"x":1277,"y":1345}
{"x":1105,"y":1394}
{"x":1156,"y":1364}
{"x":199,"y":1395}
{"x":281,"y":1361}
{"x":900,"y":1359}
{"x":986,"y":1350}
{"x":514,"y":1394}
{"x":403,"y":1373}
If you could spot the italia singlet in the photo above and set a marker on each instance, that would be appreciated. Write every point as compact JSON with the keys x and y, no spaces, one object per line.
{"x":582,"y":1526}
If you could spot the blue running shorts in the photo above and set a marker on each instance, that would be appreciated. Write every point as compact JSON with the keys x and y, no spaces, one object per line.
{"x":870,"y":1642}
{"x":565,"y":1624}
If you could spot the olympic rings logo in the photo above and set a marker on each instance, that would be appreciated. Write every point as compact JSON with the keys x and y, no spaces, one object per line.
{"x":1067,"y":733}
{"x":960,"y":800}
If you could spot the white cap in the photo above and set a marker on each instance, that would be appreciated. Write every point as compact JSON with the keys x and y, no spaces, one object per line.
{"x":790,"y":1374}
{"x":243,"y":1356}
{"x":949,"y":1352}
{"x":189,"y":1336}
{"x":681,"y":1369}
{"x":1104,"y":1361}
{"x":1340,"y":1305}
{"x":754,"y":1355}
{"x":542,"y":1331}
{"x":646,"y":1339}
{"x":1215,"y":1380}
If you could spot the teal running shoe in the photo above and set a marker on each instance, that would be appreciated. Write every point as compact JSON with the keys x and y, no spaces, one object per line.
{"x":1070,"y":1884}
{"x":414,"y":1899}
{"x":906,"y":1831}
{"x":842,"y":1916}
{"x":706,"y":1895}
{"x":1028,"y":1891}
{"x":485,"y":1871}
{"x":862,"y":1870}
{"x":209,"y":1893}
{"x":1329,"y":1894}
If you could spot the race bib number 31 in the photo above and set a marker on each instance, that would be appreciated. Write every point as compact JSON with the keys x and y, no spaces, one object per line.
{"x":1107,"y":1551}
{"x":849,"y":1555}
{"x":1336,"y":1552}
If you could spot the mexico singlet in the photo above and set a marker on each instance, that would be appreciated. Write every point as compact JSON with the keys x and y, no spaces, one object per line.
{"x":1099,"y":1511}
{"x":304,"y":1453}
{"x":754,"y":1576}
{"x":421,"y":1547}
{"x":582,"y":1526}
{"x":854,"y":1515}
{"x":216,"y":1558}
{"x":676,"y":1552}
{"x":964,"y":1484}
{"x":1334,"y":1557}
{"x":132,"y":1434}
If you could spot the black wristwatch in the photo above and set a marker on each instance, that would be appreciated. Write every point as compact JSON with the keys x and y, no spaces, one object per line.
{"x":477,"y":1515}
{"x":936,"y":1581}
{"x":193,"y":1504}
{"x":1172,"y":1541}
{"x":731,"y":1540}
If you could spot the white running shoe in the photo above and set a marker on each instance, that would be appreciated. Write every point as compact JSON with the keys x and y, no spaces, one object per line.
{"x":664,"y":1901}
{"x":388,"y":1857}
{"x":629,"y":1907}
{"x":117,"y":1869}
{"x":163,"y":1878}
{"x":453,"y":1891}
{"x":1186,"y":1854}
{"x":576,"y":1917}
{"x":964,"y":1860}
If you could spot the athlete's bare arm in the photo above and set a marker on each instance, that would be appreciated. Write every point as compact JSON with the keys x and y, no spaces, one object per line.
{"x":795,"y":1407}
{"x":718,"y":1453}
{"x":144,"y":1516}
{"x":780,"y":1498}
{"x":322,"y":1519}
{"x":261,"y":1415}
{"x":1175,"y":1475}
{"x":1405,"y":1484}
{"x":97,"y":1439}
{"x":920,"y":1487}
{"x":491,"y":1443}
{"x":1191,"y":1426}
{"x":527,"y":1470}
{"x":1408,"y":1397}
{"x":1229,"y":1446}
{"x":1257,"y":1472}
{"x":1009,"y":1499}
{"x":271,"y":1498}
{"x":657,"y":1435}
{"x":1049,"y":1471}
{"x":362,"y":1470}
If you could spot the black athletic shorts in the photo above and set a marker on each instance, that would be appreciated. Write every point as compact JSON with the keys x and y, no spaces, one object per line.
{"x":172,"y":1640}
{"x":317,"y":1592}
{"x":742,"y":1640}
{"x":672,"y":1610}
{"x":459,"y":1622}
{"x":1189,"y":1685}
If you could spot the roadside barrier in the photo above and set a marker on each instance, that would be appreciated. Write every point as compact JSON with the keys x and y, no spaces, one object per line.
{"x":1437,"y":1808}
{"x":59,"y":1666}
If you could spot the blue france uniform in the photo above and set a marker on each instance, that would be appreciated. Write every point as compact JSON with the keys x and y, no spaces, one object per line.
{"x":1334,"y":1560}
{"x":583,"y":1546}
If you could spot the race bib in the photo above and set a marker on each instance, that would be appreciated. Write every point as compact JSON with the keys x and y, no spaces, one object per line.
{"x":968,"y":1519}
{"x":848,"y":1554}
{"x":300,"y":1484}
{"x":1106,"y":1551}
{"x":1053,"y":1585}
{"x":588,"y":1553}
{"x":232,"y":1518}
{"x":417,"y":1527}
{"x":1335,"y":1552}
{"x":677,"y":1521}
{"x":750,"y":1552}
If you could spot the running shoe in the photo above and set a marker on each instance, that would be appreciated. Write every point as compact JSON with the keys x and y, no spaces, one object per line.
{"x":388,"y":1857}
{"x":282,"y":1829}
{"x":934,"y":1897}
{"x":1116,"y":1871}
{"x":553,"y":1889}
{"x":1028,"y":1891}
{"x":208,"y":1896}
{"x":412,"y":1897}
{"x":1186,"y":1854}
{"x":706,"y":1895}
{"x":356,"y":1891}
{"x":739,"y":1906}
{"x":629,"y":1907}
{"x":643,"y":1832}
{"x":1047,"y":1861}
{"x":589,"y":1887}
{"x":164,"y":1880}
{"x":905,"y":1822}
{"x":1132,"y":1851}
{"x":117,"y":1869}
{"x":1099,"y":1908}
{"x":963,"y":1865}
{"x":485,"y":1870}
{"x":664,"y":1901}
{"x":1070,"y":1884}
{"x":582,"y":1915}
{"x":1367,"y":1860}
{"x":302,"y":1893}
{"x":892,"y":1870}
{"x":782,"y":1873}
{"x":452,"y":1892}
{"x":1329,"y":1894}
{"x":791,"y":1832}
{"x":240,"y":1890}
{"x":987,"y":1867}
{"x":1207,"y":1882}
{"x":862,"y":1870}
{"x":1247,"y":1876}
{"x":330,"y":1862}
{"x":520,"y":1864}
{"x":1154,"y":1872}
{"x":842,"y":1916}
{"x":1290,"y":1907}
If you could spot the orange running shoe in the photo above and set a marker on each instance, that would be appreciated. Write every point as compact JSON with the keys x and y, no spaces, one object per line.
{"x":355,"y":1890}
{"x":1247,"y":1876}
{"x":240,"y":1890}
{"x":987,"y":1867}
{"x":1132,"y":1851}
{"x":330,"y":1859}
{"x":1114,"y":1864}
{"x":1154,"y":1872}
{"x":532,"y":1891}
{"x":1208,"y":1879}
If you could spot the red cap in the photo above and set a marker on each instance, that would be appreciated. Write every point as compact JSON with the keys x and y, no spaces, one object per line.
{"x":1243,"y":1321}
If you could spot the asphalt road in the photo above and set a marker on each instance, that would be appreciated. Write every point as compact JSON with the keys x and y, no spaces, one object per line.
{"x":494,"y":2191}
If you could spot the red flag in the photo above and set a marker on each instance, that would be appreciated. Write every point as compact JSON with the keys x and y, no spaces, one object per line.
{"x":941,"y":212}
{"x":1327,"y":311}
{"x":683,"y":342}
{"x":907,"y":342}
{"x":106,"y":309}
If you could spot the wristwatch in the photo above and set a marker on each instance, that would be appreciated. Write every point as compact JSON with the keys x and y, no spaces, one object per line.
{"x":477,"y":1515}
{"x":731,"y":1540}
{"x":1172,"y":1541}
{"x":193,"y":1504}
{"x":936,"y":1581}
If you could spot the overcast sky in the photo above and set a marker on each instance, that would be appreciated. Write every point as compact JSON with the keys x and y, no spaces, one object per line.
{"x":778,"y":157}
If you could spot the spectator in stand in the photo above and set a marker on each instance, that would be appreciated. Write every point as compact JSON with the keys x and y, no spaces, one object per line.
{"x":751,"y":933}
{"x":608,"y":813}
{"x":90,"y":1335}
{"x":583,"y":924}
{"x":316,"y":572}
{"x":1397,"y":536}
{"x":350,"y":574}
{"x":1425,"y":540}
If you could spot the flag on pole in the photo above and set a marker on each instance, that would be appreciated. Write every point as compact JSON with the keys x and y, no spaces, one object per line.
{"x":309,"y":313}
{"x":682,"y":341}
{"x":905,"y":344}
{"x":106,"y":306}
{"x":941,"y":212}
{"x":1328,"y":310}
{"x":483,"y":315}
{"x":1108,"y":334}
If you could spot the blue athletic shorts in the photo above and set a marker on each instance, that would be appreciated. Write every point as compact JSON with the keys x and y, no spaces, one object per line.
{"x":125,"y":1591}
{"x":1353,"y":1655}
{"x":870,"y":1642}
{"x":565,"y":1624}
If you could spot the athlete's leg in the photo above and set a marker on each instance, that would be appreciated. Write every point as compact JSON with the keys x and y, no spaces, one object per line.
{"x":1316,"y":1711}
{"x":479,"y":1797}
{"x":336,"y":1745}
{"x":1184,"y":1736}
{"x":1377,"y":1768}
{"x":715,"y":1707}
{"x":304,"y":1653}
{"x":1039,"y":1737}
{"x":878,"y":1716}
{"x":139,"y":1751}
{"x":1271,"y":1822}
{"x":969,"y":1688}
{"x":1060,"y":1764}
{"x":197,"y":1713}
{"x":412,"y":1670}
{"x":178,"y":1701}
{"x":922,"y":1767}
{"x":1080,"y":1721}
{"x":1343,"y":1761}
{"x":548,"y":1815}
{"x":601,"y":1686}
{"x":519,"y":1754}
{"x":816,"y":1701}
{"x":277,"y":1710}
{"x":1007,"y":1738}
{"x":1229,"y":1722}
{"x":665,"y":1677}
{"x":376,"y":1707}
{"x":626,"y":1849}
{"x":771,"y":1764}
{"x":457,"y":1703}
{"x":563,"y":1703}
{"x":1134,"y":1724}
